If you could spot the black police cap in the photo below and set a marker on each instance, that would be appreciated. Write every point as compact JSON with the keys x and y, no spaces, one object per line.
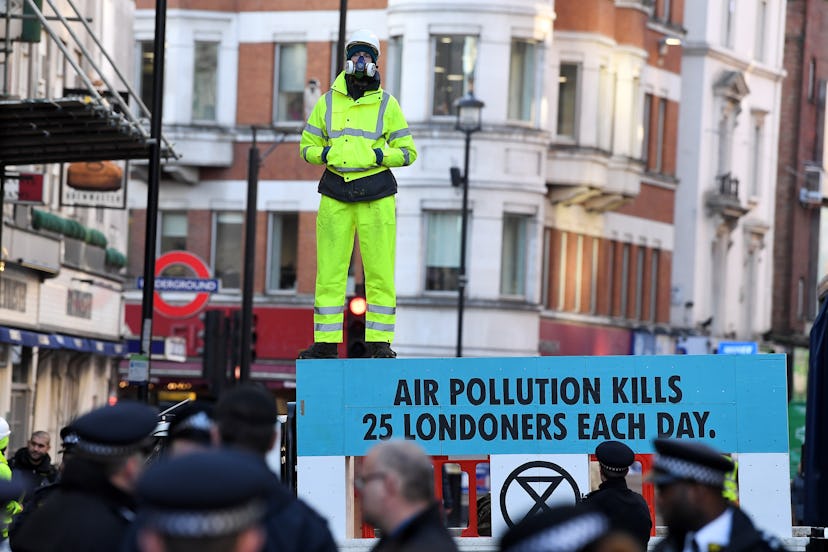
{"x":614,"y":457}
{"x":192,"y":421}
{"x":682,"y":460}
{"x":204,"y":494}
{"x":568,"y":528}
{"x":114,"y":431}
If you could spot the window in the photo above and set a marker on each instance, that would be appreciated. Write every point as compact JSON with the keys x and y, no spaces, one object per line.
{"x":659,"y":136}
{"x":727,"y":21}
{"x":522,"y":66}
{"x":625,"y":279}
{"x":205,"y":81}
{"x":562,"y":271}
{"x":393,"y":67}
{"x":639,"y":283}
{"x":454,"y":62}
{"x":228,"y":249}
{"x":513,"y":255}
{"x":666,"y":10}
{"x":645,"y":126}
{"x":291,"y":60}
{"x":335,"y":67}
{"x":606,"y":105}
{"x":442,"y":250}
{"x":173,"y":237}
{"x":145,"y":81}
{"x":654,"y":258}
{"x":593,"y":278}
{"x":812,"y":79}
{"x":173,"y":231}
{"x":579,"y":271}
{"x":567,"y":100}
{"x":283,"y":241}
{"x":545,"y":280}
{"x":756,"y":157}
{"x":761,"y":24}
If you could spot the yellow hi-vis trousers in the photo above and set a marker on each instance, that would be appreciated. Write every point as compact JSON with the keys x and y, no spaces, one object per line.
{"x":375,"y":224}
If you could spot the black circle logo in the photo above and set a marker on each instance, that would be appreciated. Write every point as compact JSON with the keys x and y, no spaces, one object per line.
{"x":541,"y":489}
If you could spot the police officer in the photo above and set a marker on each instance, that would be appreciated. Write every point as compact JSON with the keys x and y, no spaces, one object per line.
{"x":10,"y":507}
{"x":184,"y":506}
{"x":626,"y":508}
{"x":689,"y":477}
{"x":570,"y":528}
{"x":358,"y":132}
{"x":190,"y":428}
{"x":94,"y":505}
{"x":245,"y":419}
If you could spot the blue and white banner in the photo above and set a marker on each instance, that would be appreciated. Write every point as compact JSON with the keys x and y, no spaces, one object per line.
{"x":532,"y":405}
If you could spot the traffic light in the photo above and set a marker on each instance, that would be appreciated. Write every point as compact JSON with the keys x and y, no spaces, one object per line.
{"x":235,"y":343}
{"x":214,"y":349}
{"x":355,"y":328}
{"x":254,"y":336}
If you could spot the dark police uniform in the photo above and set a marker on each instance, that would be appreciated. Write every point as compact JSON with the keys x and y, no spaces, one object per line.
{"x":626,"y":508}
{"x":184,"y":499}
{"x":88,"y":513}
{"x":686,"y":461}
{"x":424,"y":532}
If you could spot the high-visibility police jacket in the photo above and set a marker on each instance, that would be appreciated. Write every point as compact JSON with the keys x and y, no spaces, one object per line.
{"x":357,"y":139}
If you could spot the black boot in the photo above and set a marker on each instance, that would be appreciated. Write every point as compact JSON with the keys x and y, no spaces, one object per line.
{"x":320,"y":350}
{"x":380,"y":349}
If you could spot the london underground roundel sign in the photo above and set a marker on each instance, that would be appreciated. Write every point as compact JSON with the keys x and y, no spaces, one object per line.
{"x":202,"y":285}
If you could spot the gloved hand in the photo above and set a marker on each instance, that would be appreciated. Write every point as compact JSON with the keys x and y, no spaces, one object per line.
{"x":378,"y":153}
{"x":325,"y":151}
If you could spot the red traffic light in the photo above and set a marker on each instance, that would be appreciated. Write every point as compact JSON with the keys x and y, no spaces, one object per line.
{"x":358,"y":306}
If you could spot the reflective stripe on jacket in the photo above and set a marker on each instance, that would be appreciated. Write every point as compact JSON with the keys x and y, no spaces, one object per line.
{"x":353,"y":130}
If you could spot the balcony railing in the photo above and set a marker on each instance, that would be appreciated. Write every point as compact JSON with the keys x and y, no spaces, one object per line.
{"x":723,"y":199}
{"x":728,"y":185}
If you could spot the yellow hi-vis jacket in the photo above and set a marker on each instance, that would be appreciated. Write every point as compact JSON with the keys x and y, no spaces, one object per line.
{"x":357,"y":138}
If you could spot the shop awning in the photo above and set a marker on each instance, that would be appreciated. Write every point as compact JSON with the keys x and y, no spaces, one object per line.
{"x":29,"y":338}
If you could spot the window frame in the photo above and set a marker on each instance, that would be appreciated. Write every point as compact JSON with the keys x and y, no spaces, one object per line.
{"x":520,"y":255}
{"x":527,"y":79}
{"x":573,"y":138}
{"x":276,"y":116}
{"x":214,"y":247}
{"x":271,"y":217}
{"x":468,"y":80}
{"x":428,"y":214}
{"x":195,"y":84}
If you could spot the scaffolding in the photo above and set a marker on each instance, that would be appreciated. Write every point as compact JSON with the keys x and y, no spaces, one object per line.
{"x":92,"y":123}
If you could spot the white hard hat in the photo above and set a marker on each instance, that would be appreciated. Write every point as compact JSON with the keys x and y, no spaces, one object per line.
{"x":5,"y":430}
{"x":363,"y":37}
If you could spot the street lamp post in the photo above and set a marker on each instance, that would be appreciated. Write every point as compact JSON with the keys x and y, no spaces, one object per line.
{"x":469,"y":112}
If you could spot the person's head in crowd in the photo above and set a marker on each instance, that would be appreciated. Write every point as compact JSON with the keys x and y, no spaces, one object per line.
{"x":114,"y":439}
{"x":205,"y":501}
{"x":246,"y":418}
{"x":569,"y":528}
{"x":38,"y":446}
{"x":396,"y":483}
{"x":614,"y":459}
{"x":190,"y":428}
{"x":689,"y":478}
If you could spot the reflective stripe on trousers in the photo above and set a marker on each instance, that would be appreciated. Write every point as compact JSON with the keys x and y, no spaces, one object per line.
{"x":374,"y":222}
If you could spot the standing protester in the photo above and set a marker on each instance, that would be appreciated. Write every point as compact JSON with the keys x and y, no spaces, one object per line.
{"x":36,"y":499}
{"x":94,"y":506}
{"x":689,"y":478}
{"x":245,"y":419}
{"x":358,"y":131}
{"x":10,"y":507}
{"x":571,"y":528}
{"x":33,"y":462}
{"x":185,"y":507}
{"x":396,"y":490}
{"x":626,"y":508}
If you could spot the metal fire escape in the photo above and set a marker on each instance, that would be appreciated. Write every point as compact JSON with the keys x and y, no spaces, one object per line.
{"x":93,"y":123}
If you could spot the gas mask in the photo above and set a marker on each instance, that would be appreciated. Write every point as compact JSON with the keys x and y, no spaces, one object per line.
{"x":360,"y":69}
